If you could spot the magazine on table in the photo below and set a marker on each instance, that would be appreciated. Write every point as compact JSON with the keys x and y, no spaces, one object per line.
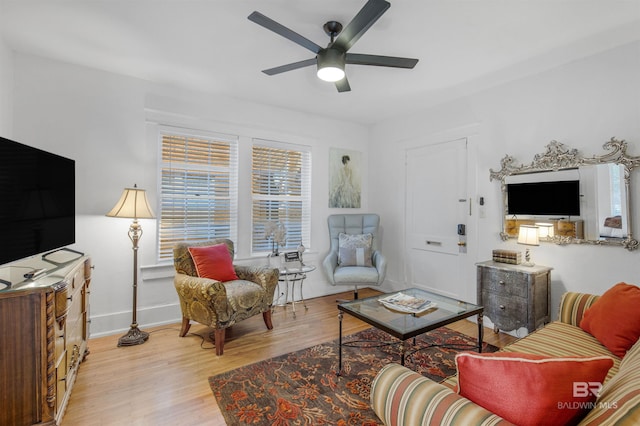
{"x":405,"y":303}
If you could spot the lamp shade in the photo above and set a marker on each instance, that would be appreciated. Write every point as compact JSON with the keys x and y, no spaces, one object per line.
{"x":132,"y":204}
{"x":528,"y":235}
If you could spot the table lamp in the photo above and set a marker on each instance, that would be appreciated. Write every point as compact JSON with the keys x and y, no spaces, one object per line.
{"x":528,"y":235}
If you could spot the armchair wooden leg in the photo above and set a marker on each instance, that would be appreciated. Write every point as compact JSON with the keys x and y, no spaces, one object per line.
{"x":185,"y":326}
{"x":267,"y":319}
{"x":219,"y":335}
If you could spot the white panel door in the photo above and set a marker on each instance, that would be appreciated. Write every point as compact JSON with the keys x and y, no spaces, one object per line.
{"x":436,"y":204}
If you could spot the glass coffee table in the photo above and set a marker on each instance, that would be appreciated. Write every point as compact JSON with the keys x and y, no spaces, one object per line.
{"x":404,"y":326}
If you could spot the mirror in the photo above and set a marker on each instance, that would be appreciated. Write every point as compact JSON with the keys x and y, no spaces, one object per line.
{"x":602,"y":193}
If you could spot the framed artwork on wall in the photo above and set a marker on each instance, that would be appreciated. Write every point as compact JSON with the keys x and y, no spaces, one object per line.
{"x":344,"y":178}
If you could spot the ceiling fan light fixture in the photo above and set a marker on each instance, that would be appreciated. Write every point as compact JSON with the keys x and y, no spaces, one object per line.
{"x":330,"y":74}
{"x":331,"y":60}
{"x":331,"y":65}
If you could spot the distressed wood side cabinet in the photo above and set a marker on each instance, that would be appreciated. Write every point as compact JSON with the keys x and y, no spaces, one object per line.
{"x":514,"y":296}
{"x":44,"y":328}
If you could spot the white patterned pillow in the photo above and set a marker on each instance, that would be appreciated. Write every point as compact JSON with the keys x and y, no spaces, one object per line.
{"x":354,"y":249}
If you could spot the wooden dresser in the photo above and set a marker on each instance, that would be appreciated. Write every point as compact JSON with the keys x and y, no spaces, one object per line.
{"x":514,"y":296}
{"x":44,"y":327}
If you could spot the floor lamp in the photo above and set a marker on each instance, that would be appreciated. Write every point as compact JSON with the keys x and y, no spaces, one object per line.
{"x":133,"y":204}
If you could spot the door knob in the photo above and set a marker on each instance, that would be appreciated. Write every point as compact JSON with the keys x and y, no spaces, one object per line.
{"x":462,"y":243}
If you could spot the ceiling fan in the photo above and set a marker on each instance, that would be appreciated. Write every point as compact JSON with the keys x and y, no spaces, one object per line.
{"x":331,"y":60}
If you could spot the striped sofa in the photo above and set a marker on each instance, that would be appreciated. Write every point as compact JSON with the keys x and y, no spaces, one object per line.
{"x":400,"y":396}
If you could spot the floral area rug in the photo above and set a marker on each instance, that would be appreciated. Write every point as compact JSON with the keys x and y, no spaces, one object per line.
{"x":302,"y":388}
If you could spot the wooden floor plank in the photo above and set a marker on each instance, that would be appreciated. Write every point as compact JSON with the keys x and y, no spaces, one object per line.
{"x":164,"y":381}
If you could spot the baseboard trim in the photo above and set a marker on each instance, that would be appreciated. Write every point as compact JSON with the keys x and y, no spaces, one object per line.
{"x":119,"y":322}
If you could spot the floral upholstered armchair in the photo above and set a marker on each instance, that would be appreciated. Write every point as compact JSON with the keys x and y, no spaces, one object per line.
{"x":238,"y":293}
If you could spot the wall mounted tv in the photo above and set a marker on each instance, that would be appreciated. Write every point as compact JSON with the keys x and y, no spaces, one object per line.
{"x":37,"y":196}
{"x":561,"y":198}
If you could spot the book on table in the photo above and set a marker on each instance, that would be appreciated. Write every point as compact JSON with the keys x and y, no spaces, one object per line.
{"x":406,"y":303}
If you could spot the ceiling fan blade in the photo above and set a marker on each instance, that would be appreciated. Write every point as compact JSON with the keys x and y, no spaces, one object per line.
{"x":285,"y":32}
{"x":367,"y":16}
{"x":290,"y":67}
{"x":381,"y":61}
{"x":343,"y":85}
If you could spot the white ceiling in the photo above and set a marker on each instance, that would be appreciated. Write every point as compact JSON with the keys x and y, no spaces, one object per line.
{"x":211,"y":46}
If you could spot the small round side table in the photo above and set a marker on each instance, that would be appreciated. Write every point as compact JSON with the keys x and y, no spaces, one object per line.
{"x":290,"y":275}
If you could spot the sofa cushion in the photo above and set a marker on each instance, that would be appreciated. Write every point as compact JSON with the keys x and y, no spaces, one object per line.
{"x":402,"y":397}
{"x":354,"y":249}
{"x":560,"y":340}
{"x":573,"y":305}
{"x":528,"y":389}
{"x":619,"y":399}
{"x":614,"y":319}
{"x":213,"y":262}
{"x":356,"y":274}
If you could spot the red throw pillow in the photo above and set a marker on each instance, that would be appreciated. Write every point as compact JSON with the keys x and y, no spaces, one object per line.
{"x":532,"y":389}
{"x":213,"y":262}
{"x":614,"y":319}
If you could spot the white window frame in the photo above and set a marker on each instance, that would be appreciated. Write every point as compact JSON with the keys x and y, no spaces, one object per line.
{"x":185,"y":234}
{"x":259,"y":244}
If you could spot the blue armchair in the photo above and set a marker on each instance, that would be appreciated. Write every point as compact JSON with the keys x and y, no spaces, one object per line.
{"x":359,"y":266}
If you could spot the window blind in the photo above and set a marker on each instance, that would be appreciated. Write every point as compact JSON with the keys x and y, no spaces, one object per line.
{"x":198,"y":190}
{"x":281,"y":193}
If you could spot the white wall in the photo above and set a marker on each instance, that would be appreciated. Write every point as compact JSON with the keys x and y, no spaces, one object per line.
{"x":107,"y":123}
{"x":582,"y":104}
{"x":6,"y":89}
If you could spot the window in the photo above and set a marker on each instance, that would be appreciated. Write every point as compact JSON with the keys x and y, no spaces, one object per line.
{"x":198,"y":189}
{"x":281,"y":193}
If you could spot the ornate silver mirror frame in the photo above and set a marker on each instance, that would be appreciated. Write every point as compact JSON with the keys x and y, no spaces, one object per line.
{"x":559,"y":157}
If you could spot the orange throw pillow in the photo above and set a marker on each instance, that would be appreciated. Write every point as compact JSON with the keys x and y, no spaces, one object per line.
{"x":614,"y":319}
{"x":213,"y":262}
{"x":530,"y":389}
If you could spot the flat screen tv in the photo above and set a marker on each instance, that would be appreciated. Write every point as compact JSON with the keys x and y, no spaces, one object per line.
{"x":37,"y":201}
{"x":560,"y":198}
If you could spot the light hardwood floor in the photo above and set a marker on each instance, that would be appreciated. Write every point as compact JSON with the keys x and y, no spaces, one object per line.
{"x":164,"y":381}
